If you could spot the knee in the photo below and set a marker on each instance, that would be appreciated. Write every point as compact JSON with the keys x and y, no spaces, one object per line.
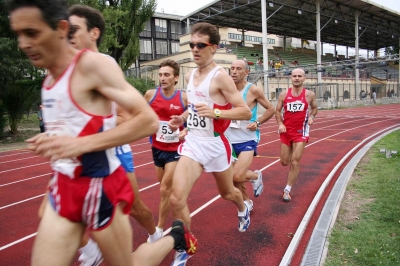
{"x":177,"y":203}
{"x":284,"y":162}
{"x":294,"y":164}
{"x":237,"y":177}
{"x":165,"y":191}
{"x":227,"y":195}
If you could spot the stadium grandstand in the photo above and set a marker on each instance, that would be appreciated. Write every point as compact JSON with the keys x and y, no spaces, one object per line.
{"x":294,"y":33}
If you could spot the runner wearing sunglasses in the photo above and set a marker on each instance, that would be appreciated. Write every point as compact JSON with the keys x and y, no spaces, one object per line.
{"x":211,"y":94}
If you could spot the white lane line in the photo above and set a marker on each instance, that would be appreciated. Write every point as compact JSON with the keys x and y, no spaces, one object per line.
{"x":206,"y":204}
{"x":22,"y":201}
{"x":22,"y":180}
{"x":18,"y":241}
{"x":307,"y":216}
{"x":18,"y":202}
{"x":19,"y":159}
{"x":23,"y":167}
{"x":1,"y":156}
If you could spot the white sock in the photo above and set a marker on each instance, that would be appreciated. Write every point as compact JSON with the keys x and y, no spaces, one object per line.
{"x":90,"y":248}
{"x":154,"y":237}
{"x":288,"y":188}
{"x":242,"y":214}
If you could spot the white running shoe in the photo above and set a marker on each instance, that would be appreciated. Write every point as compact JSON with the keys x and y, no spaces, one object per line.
{"x":244,"y":221}
{"x":257,"y":184}
{"x":181,"y":257}
{"x":249,"y":204}
{"x":157,"y":235}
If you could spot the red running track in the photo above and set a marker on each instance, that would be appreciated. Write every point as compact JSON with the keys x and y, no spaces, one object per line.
{"x":24,"y":176}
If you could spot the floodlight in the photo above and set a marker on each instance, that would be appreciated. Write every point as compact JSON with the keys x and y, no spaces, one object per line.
{"x":271,"y":4}
{"x":299,"y":12}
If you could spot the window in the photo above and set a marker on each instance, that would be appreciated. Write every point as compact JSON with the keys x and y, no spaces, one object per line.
{"x":145,"y":46}
{"x":147,"y":30}
{"x":161,"y":28}
{"x":174,"y":47}
{"x":161,"y":48}
{"x":176,"y":29}
{"x":145,"y":50}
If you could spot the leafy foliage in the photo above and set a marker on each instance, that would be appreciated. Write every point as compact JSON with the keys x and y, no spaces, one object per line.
{"x":125,"y":19}
{"x":141,"y":84}
{"x":18,"y":99}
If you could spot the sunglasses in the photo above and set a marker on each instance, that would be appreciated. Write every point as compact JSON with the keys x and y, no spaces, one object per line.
{"x":199,"y":45}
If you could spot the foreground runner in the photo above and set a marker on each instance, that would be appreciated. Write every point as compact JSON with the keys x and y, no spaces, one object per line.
{"x":211,"y":94}
{"x":166,"y":101}
{"x":89,"y":188}
{"x":245,"y":134}
{"x":294,"y":127}
{"x":88,"y":27}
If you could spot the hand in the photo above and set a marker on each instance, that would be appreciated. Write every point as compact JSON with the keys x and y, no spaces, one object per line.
{"x":252,"y":126}
{"x":204,"y":111}
{"x":310,"y":120}
{"x":182,"y":134}
{"x":281,"y":129}
{"x":175,"y":122}
{"x":57,"y":147}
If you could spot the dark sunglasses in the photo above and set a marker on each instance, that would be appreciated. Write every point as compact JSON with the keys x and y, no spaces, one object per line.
{"x":199,"y":45}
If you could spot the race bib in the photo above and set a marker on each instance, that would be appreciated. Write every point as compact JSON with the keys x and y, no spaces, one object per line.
{"x":165,"y":134}
{"x":197,"y":122}
{"x":296,"y":106}
{"x":235,"y":124}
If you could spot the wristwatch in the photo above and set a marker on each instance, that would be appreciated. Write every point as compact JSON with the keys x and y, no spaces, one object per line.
{"x":258,"y":123}
{"x":217,"y":113}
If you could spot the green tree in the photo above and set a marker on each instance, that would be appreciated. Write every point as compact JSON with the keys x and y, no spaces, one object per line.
{"x":16,"y":95}
{"x":125,"y":19}
{"x":18,"y":99}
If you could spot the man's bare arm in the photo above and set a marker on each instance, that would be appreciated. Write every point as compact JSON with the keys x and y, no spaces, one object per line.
{"x":270,"y":110}
{"x":231,"y":94}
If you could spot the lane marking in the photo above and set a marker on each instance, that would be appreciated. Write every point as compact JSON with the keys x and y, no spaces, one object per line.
{"x":10,"y":170}
{"x":18,"y":241}
{"x":307,"y":216}
{"x":22,"y":180}
{"x":18,"y":202}
{"x":211,"y":201}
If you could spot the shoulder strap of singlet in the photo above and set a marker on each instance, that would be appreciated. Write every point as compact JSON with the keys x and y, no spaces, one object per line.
{"x":155,"y":95}
{"x":246,"y":90}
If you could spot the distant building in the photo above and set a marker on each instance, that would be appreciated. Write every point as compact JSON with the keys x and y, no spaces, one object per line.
{"x":160,"y":36}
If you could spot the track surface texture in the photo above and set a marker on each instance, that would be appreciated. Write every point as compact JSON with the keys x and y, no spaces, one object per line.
{"x":24,"y":176}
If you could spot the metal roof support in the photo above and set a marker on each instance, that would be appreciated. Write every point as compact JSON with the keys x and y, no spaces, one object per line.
{"x":357,"y":71}
{"x":318,"y":24}
{"x":265,"y":45}
{"x":398,"y":78}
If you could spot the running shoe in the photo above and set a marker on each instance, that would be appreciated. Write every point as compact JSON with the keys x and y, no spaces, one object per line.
{"x":249,"y":204}
{"x":187,"y":241}
{"x":157,"y":235}
{"x":286,"y":196}
{"x":181,"y":257}
{"x":244,"y":221}
{"x":91,"y":261}
{"x":258,"y":185}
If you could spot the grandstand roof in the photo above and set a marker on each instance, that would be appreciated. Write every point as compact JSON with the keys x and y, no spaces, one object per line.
{"x":378,"y":26}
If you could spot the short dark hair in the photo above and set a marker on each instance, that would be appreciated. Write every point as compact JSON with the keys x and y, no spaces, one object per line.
{"x":207,"y":29}
{"x":171,"y":63}
{"x":52,"y":10}
{"x":94,"y":18}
